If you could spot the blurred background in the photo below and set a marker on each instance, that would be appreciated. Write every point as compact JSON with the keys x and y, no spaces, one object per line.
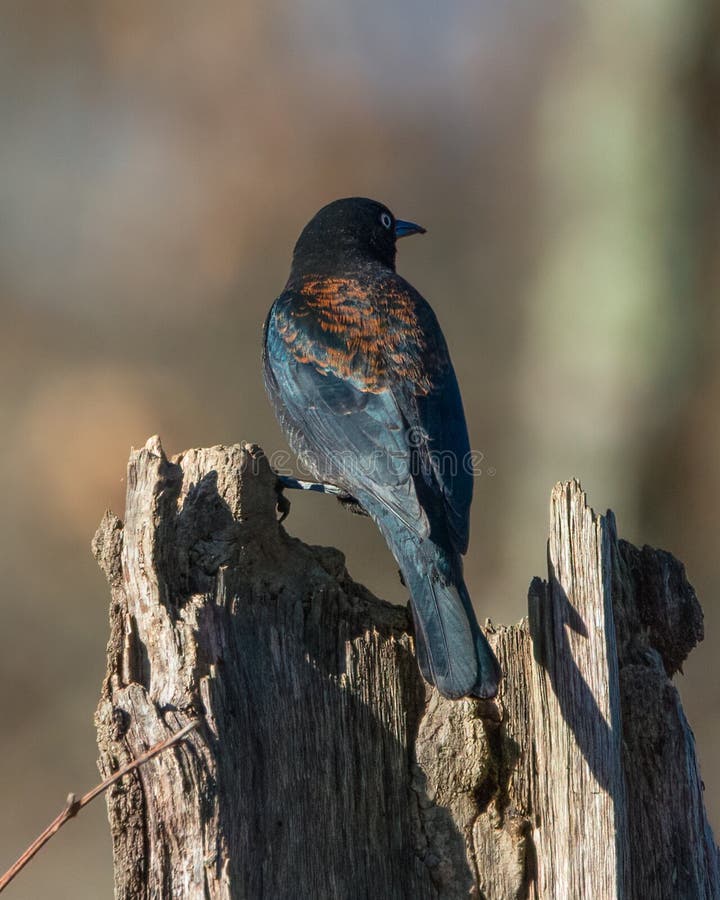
{"x":157,"y":162}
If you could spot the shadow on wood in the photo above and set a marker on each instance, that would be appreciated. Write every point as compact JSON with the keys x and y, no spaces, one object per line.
{"x":327,"y":768}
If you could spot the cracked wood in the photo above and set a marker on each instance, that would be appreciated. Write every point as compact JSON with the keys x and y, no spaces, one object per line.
{"x":325,"y":766}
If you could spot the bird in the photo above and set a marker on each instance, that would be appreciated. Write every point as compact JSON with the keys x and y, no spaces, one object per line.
{"x":360,"y":378}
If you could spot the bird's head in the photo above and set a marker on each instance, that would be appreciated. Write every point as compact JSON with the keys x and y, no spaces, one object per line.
{"x":349,"y":232}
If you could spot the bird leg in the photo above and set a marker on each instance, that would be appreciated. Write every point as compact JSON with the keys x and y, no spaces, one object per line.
{"x":285,"y":481}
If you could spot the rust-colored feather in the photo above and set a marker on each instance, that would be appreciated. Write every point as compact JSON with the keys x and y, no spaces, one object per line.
{"x":354,"y":332}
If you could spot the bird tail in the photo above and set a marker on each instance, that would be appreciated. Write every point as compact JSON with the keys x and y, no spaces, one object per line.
{"x":452,"y":651}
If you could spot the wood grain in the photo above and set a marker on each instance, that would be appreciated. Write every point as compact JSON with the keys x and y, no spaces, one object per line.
{"x":327,"y":768}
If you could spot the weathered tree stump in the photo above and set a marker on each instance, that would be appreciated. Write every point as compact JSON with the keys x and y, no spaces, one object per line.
{"x":327,"y":769}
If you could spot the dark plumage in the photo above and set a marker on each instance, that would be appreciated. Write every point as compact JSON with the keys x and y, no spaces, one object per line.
{"x":360,"y":378}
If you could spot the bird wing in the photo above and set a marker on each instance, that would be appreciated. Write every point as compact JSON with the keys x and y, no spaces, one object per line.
{"x":442,"y":454}
{"x":434,"y":409}
{"x":363,"y":383}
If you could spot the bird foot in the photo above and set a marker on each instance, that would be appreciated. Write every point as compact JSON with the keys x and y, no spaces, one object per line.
{"x":282,"y":504}
{"x":351,"y":504}
{"x":284,"y":482}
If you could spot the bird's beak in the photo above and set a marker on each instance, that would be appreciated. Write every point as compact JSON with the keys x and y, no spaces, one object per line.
{"x":405,"y":229}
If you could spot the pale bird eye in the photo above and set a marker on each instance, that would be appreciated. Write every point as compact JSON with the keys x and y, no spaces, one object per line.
{"x":386,"y":220}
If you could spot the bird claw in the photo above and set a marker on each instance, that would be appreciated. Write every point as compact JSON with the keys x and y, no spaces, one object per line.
{"x":282,"y":504}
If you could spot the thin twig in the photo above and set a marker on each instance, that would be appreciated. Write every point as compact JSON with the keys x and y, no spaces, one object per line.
{"x":73,"y":805}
